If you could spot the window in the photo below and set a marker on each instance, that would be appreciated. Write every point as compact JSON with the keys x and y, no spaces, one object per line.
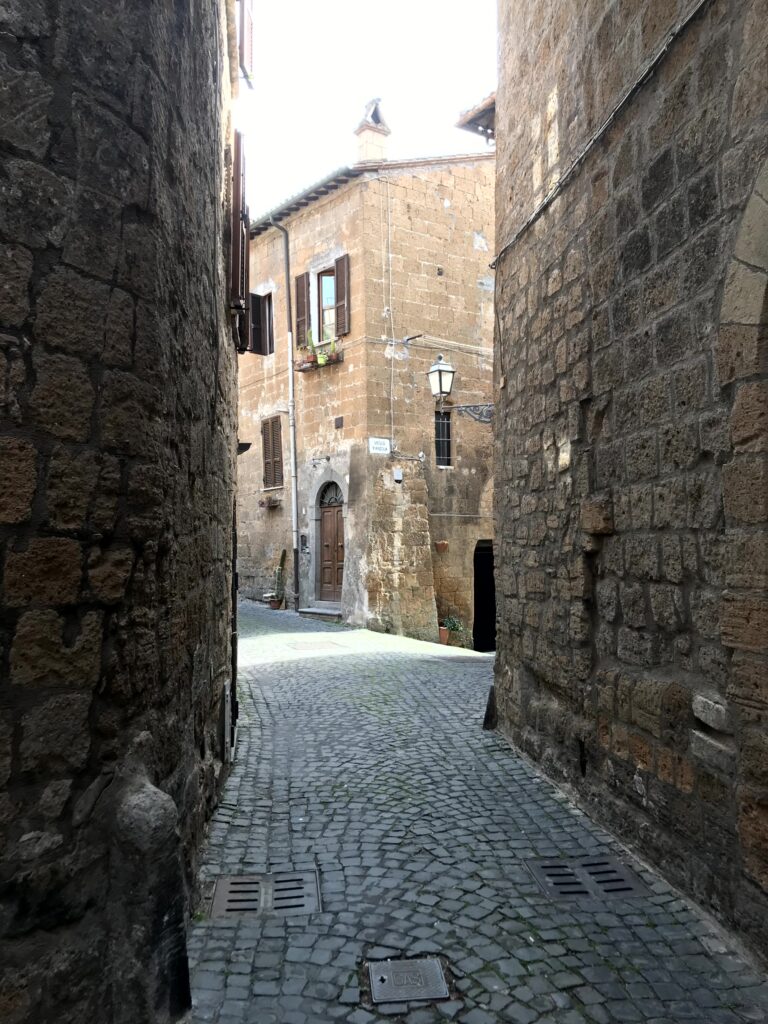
{"x":272,"y":445}
{"x":262,"y":326}
{"x":326,"y":294}
{"x":443,"y":438}
{"x":333,"y":312}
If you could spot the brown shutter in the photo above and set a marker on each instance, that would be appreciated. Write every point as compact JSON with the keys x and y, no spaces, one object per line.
{"x":302,"y":309}
{"x":240,"y":249}
{"x":266,"y":440}
{"x":235,"y":263}
{"x":277,"y":452}
{"x":244,"y":324}
{"x":246,"y":40}
{"x":342,"y":295}
{"x":257,"y":334}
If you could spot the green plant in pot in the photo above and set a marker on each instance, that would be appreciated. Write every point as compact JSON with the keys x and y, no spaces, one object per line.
{"x":278,"y":595}
{"x":333,"y":355}
{"x":450,"y":626}
{"x":311,"y":353}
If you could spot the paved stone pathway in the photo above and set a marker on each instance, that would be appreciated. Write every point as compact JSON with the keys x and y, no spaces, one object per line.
{"x":362,"y":755}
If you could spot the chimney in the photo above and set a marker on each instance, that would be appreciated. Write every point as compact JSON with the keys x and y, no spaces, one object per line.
{"x":372,"y":135}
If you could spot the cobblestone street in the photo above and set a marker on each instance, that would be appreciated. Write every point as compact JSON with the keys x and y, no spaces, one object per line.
{"x":362,"y":755}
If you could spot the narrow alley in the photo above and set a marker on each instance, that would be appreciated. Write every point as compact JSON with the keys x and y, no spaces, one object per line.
{"x":361,"y":757}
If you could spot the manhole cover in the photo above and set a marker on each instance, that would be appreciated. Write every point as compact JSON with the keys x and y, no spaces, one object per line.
{"x":587,"y":878}
{"x":286,"y":893}
{"x":396,"y":981}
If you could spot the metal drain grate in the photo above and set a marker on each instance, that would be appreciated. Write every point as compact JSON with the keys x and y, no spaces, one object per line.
{"x":287,"y":893}
{"x":587,"y":878}
{"x":399,"y":981}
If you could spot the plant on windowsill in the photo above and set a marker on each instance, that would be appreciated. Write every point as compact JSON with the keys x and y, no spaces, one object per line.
{"x":311,"y":354}
{"x":333,"y":355}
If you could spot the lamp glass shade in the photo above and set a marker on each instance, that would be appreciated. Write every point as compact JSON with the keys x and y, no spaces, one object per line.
{"x":440,"y":376}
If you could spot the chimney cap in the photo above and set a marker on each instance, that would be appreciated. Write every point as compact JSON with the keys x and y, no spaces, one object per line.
{"x":373,"y":120}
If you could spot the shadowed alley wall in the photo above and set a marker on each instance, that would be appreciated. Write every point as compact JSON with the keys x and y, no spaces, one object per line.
{"x":117,"y":435}
{"x":631,"y":481}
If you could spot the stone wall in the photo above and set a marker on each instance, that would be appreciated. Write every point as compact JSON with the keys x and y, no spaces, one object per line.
{"x":117,"y":398}
{"x":630,"y":472}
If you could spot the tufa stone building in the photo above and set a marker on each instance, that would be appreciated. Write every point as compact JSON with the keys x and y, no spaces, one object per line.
{"x":379,"y":252}
{"x":117,"y":445}
{"x":632,"y":421}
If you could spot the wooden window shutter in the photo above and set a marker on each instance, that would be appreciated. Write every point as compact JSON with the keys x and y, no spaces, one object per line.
{"x":235,"y":263}
{"x":240,"y":248}
{"x":246,"y":40}
{"x":302,"y":309}
{"x":266,"y":440}
{"x":257,"y":334}
{"x":342,"y":295}
{"x":244,"y":324}
{"x":277,"y":452}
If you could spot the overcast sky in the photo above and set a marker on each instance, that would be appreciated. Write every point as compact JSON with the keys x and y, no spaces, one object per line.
{"x":318,"y":62}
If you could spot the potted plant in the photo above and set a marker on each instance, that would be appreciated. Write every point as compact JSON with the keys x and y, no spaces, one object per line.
{"x":311,"y":356}
{"x":322,"y":357}
{"x":450,"y":625}
{"x":277,"y":597}
{"x":333,"y":355}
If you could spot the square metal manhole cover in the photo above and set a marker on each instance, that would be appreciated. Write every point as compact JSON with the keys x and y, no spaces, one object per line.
{"x":287,"y":893}
{"x":399,"y":981}
{"x":587,"y":878}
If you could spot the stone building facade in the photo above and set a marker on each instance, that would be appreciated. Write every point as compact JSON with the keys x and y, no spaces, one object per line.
{"x":414,"y":239}
{"x":631,"y":472}
{"x":117,"y":446}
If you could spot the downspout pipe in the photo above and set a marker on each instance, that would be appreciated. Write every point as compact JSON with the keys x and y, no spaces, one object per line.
{"x":291,"y":413}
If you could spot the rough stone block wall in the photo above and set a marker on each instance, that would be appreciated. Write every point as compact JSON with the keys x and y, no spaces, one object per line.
{"x":438,"y":218}
{"x":630,"y":475}
{"x":117,"y":399}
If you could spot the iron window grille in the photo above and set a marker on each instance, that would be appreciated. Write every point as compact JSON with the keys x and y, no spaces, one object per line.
{"x":443,"y":437}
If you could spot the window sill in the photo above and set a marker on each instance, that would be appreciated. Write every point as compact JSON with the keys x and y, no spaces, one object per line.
{"x":268,"y":490}
{"x":303,"y":366}
{"x":445,"y":467}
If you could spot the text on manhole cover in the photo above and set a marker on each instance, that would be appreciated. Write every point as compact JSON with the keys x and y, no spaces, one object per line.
{"x":395,"y":981}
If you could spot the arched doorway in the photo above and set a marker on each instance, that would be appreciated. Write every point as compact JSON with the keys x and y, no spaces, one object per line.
{"x":331,"y":543}
{"x":484,"y":625}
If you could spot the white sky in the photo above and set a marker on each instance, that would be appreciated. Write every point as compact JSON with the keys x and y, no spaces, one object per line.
{"x":318,"y":62}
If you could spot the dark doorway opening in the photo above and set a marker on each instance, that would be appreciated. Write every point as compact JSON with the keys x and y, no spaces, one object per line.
{"x":484,"y":627}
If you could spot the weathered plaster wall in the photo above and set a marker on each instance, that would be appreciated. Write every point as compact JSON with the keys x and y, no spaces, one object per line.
{"x":117,"y":393}
{"x":318,"y":235}
{"x":630,"y":472}
{"x":438,"y":219}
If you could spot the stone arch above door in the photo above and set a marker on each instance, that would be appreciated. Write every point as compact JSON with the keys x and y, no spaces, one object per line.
{"x":329,"y":497}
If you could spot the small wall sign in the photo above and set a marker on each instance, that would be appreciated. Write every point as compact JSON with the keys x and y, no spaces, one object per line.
{"x":379,"y":446}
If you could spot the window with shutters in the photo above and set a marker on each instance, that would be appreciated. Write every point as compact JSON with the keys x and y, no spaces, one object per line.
{"x":262,"y":325}
{"x":331,"y":315}
{"x":443,"y":438}
{"x":272,"y":445}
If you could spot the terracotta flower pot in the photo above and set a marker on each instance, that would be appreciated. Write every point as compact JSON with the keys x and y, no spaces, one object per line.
{"x":444,"y":634}
{"x":441,"y":546}
{"x":276,"y":604}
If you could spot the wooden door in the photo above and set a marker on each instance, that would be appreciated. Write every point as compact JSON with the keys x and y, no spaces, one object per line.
{"x":331,"y":552}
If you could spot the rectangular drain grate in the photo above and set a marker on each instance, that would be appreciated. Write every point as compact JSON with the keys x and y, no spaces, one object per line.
{"x":399,"y":981}
{"x":587,"y":878}
{"x":287,"y":893}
